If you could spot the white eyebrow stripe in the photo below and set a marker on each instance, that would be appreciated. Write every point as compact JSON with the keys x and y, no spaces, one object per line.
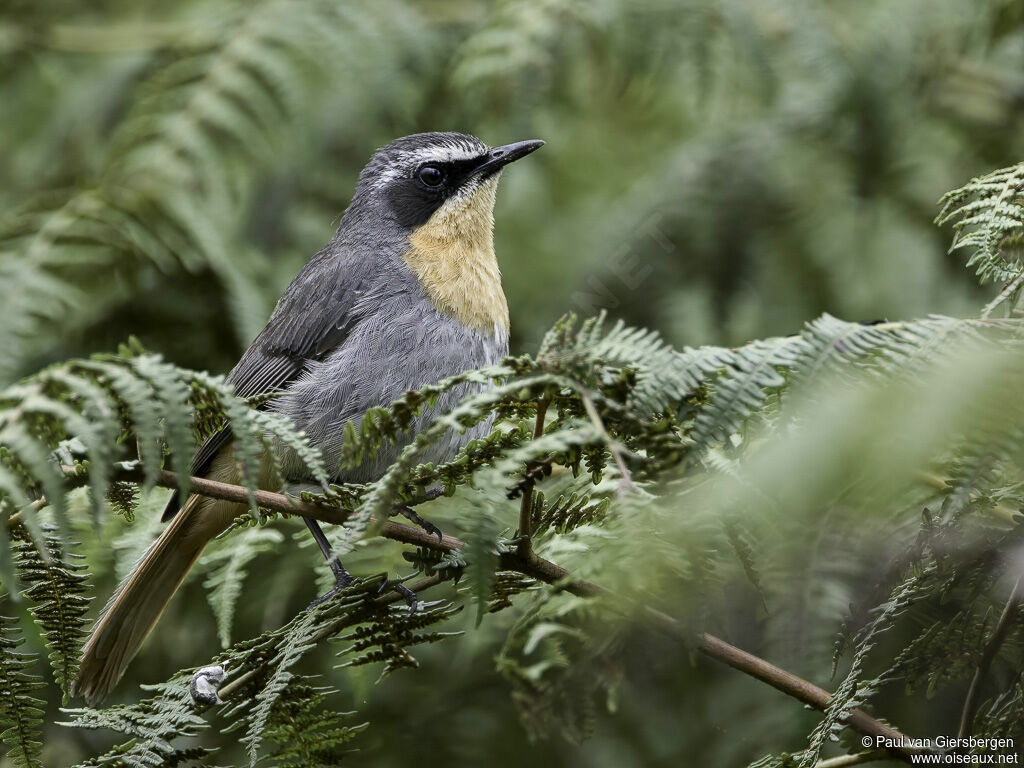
{"x":386,"y":176}
{"x":403,"y":163}
{"x":443,"y":154}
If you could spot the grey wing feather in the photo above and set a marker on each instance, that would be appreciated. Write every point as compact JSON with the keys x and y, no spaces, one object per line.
{"x":312,"y":318}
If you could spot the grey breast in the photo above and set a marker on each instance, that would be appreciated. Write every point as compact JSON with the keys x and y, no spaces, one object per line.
{"x":400,"y":342}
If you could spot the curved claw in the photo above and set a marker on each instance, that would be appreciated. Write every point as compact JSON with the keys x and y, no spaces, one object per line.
{"x":411,"y":515}
{"x":429,"y":527}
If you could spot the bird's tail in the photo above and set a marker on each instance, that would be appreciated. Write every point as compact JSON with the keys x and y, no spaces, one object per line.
{"x":140,"y":599}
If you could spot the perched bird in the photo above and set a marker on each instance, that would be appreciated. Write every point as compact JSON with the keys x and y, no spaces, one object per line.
{"x":406,"y":293}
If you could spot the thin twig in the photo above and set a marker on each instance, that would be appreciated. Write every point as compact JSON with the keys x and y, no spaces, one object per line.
{"x":799,"y":689}
{"x":34,"y":507}
{"x":525,"y":546}
{"x":858,"y":758}
{"x":987,"y":657}
{"x":534,"y":567}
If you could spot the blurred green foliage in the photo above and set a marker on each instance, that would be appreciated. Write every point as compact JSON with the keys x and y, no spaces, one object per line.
{"x":719,"y":171}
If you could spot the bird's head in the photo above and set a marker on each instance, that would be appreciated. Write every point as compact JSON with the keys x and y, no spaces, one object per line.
{"x":425,"y":174}
{"x":439,"y":189}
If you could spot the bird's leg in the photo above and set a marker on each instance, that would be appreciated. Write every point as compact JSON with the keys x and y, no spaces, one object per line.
{"x":409,"y":514}
{"x":342,"y":577}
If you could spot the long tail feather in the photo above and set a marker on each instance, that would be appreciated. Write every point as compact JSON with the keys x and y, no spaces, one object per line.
{"x":140,"y":599}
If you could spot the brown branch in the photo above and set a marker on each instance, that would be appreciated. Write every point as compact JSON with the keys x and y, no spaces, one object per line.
{"x":987,"y":657}
{"x":215,"y":489}
{"x":535,"y":567}
{"x":798,"y":688}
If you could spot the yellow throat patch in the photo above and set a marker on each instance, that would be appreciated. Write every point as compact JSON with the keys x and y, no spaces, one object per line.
{"x":453,"y":256}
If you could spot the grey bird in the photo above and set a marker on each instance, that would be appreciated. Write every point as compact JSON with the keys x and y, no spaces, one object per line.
{"x":406,"y":293}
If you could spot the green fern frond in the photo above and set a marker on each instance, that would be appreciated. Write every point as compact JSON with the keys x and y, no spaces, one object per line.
{"x":228,"y":565}
{"x":308,"y":730}
{"x":480,"y":533}
{"x":59,"y":600}
{"x":387,"y":423}
{"x":568,"y":511}
{"x":987,"y":216}
{"x":387,"y":637}
{"x":560,"y":659}
{"x":850,"y":694}
{"x":254,"y":431}
{"x":471,"y":411}
{"x":1001,"y":717}
{"x":520,"y":37}
{"x":204,"y":113}
{"x":152,"y":724}
{"x":376,"y":635}
{"x":84,"y":412}
{"x":125,"y":754}
{"x":21,"y":713}
{"x":300,"y":638}
{"x":174,"y":394}
{"x":615,"y":393}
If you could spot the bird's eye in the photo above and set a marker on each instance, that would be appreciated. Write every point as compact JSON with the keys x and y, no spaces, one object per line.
{"x":431,"y":175}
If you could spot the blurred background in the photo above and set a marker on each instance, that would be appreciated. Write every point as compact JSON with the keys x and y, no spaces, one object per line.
{"x":717,"y":170}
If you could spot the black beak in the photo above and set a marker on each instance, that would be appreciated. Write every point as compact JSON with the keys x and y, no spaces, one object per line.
{"x":501,"y":156}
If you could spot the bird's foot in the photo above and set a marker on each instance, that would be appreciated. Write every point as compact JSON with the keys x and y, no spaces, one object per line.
{"x":342,"y":580}
{"x":410,"y":514}
{"x":407,"y":594}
